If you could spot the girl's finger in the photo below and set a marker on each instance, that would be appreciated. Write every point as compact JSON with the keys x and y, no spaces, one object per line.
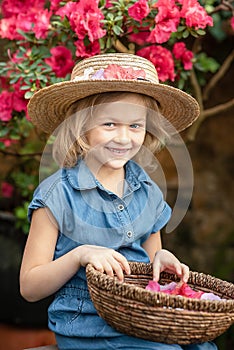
{"x":117,"y":268}
{"x":122,"y":261}
{"x":108,"y":268}
{"x":156,"y":272}
{"x":98,"y":266}
{"x":185,"y":273}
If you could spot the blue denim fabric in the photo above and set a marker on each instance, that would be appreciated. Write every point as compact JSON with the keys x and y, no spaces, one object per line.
{"x":87,"y":213}
{"x":124,"y":343}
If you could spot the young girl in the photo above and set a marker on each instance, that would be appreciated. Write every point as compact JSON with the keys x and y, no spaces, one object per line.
{"x":100,"y":207}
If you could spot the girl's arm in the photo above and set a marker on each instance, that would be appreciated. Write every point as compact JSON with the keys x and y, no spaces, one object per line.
{"x":41,"y":276}
{"x":163,"y":260}
{"x":152,"y":245}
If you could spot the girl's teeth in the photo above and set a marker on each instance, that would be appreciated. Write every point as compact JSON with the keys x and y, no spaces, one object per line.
{"x":117,"y":150}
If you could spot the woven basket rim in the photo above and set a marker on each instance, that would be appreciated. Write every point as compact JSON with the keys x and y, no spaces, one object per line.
{"x":133,"y":292}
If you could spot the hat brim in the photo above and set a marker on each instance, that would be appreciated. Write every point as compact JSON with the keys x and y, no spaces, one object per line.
{"x":47,"y":108}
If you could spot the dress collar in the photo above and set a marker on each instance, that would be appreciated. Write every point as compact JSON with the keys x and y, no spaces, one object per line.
{"x":81,"y":178}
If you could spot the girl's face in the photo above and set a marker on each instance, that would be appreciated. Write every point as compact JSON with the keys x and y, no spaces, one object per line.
{"x":116,"y":132}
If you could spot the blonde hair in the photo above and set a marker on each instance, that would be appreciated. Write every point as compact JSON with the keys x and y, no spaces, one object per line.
{"x":70,"y":142}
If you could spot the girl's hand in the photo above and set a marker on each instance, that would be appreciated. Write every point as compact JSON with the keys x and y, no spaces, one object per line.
{"x":166,"y":261}
{"x":104,"y":260}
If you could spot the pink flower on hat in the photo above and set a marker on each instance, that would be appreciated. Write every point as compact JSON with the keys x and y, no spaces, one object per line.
{"x":114,"y":71}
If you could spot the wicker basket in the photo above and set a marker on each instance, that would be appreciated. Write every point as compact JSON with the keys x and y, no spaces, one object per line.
{"x":156,"y":316}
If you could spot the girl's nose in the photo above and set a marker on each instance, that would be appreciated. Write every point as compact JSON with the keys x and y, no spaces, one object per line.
{"x":122,"y":135}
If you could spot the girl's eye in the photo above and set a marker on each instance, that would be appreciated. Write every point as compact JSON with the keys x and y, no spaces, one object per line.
{"x":135,"y":126}
{"x":109,"y":125}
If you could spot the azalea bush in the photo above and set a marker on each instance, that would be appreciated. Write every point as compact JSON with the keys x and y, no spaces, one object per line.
{"x":42,"y":40}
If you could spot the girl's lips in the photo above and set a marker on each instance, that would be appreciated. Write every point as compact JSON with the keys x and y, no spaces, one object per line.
{"x":118,"y":150}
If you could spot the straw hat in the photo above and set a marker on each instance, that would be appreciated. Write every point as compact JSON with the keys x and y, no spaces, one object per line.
{"x":105,"y":73}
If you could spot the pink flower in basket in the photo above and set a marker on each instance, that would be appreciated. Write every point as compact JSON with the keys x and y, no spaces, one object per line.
{"x":180,"y":289}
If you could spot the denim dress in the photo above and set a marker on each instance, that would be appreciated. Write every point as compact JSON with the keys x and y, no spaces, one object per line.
{"x":87,"y":213}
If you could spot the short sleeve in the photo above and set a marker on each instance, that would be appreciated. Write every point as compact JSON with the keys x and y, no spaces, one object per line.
{"x":36,"y":203}
{"x":163,"y":217}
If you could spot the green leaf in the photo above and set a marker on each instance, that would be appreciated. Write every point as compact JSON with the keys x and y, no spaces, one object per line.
{"x":201,"y":32}
{"x":206,"y":64}
{"x":25,"y":87}
{"x":181,"y":28}
{"x":108,"y":42}
{"x":14,"y":80}
{"x":185,"y":34}
{"x":110,"y":16}
{"x":28,"y":95}
{"x":117,"y":30}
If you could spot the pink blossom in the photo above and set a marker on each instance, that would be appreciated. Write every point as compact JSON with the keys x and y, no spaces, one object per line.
{"x":162,"y":59}
{"x":161,"y":33}
{"x":67,"y":10}
{"x":232,"y":22}
{"x":8,"y":29}
{"x":181,"y":53}
{"x":85,"y":19}
{"x":88,"y":50}
{"x":14,"y":7}
{"x":167,"y":9}
{"x":7,"y":189}
{"x":19,"y":103}
{"x":4,"y":84}
{"x":139,"y":10}
{"x":6,"y":106}
{"x":61,"y":61}
{"x":166,"y":21}
{"x":108,"y":4}
{"x":114,"y":71}
{"x":195,"y":15}
{"x":141,"y":37}
{"x":7,"y":142}
{"x":54,"y":5}
{"x":42,"y":24}
{"x":25,"y":21}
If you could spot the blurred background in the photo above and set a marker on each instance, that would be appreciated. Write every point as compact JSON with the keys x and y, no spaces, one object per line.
{"x":204,"y":67}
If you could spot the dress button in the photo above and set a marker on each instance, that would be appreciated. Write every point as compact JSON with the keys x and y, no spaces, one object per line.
{"x":129,"y":234}
{"x":120,"y":207}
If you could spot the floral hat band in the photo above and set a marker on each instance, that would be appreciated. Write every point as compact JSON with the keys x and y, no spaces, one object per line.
{"x":111,"y":73}
{"x":118,"y":69}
